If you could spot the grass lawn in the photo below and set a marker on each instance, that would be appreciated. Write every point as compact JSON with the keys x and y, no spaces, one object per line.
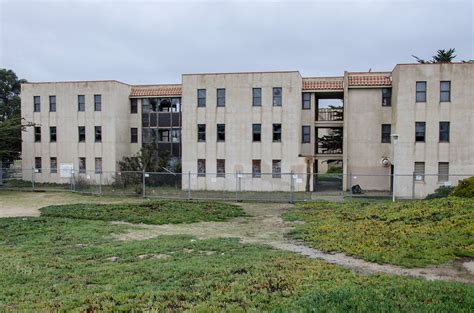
{"x":411,"y":233}
{"x":152,"y":212}
{"x":55,"y":263}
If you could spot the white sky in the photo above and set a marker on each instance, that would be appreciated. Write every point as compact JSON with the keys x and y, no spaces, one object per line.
{"x":156,"y":41}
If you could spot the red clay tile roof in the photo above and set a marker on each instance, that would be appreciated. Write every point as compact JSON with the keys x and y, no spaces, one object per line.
{"x":369,"y":80}
{"x":156,"y":91}
{"x":322,"y":83}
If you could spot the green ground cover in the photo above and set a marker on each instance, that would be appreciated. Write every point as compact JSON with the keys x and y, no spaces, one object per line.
{"x":411,"y":233}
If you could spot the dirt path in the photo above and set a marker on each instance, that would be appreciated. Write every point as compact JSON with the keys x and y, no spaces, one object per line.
{"x":265,"y":226}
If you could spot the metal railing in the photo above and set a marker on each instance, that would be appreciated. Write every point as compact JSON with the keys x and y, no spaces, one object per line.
{"x":329,"y":114}
{"x":273,"y":187}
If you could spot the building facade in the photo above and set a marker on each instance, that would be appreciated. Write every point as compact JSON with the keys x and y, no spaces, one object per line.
{"x":262,"y":126}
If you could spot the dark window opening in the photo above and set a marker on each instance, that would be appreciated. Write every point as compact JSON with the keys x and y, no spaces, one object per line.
{"x":386,"y":97}
{"x":386,"y":133}
{"x":276,"y":132}
{"x":420,"y":128}
{"x":38,"y":164}
{"x":53,"y":165}
{"x":256,"y":168}
{"x":98,"y":133}
{"x":37,"y":134}
{"x":220,"y":132}
{"x":201,"y":167}
{"x":52,"y":134}
{"x":256,"y":132}
{"x":82,"y":165}
{"x":444,"y":131}
{"x":98,"y":165}
{"x":133,"y":106}
{"x":220,"y":168}
{"x":82,"y":133}
{"x":201,"y":132}
{"x":133,"y":135}
{"x":37,"y":103}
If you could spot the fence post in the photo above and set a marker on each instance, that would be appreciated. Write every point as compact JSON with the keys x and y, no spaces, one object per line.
{"x":292,"y":187}
{"x":189,"y":185}
{"x":32,"y":179}
{"x":143,"y":183}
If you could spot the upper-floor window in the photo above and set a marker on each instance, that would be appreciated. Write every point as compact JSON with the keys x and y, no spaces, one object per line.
{"x":277,"y":94}
{"x":386,"y":133}
{"x":421,"y":91}
{"x":98,"y":133}
{"x":133,"y":106}
{"x":386,"y":97}
{"x":36,"y":104}
{"x":82,"y":165}
{"x":53,"y":165}
{"x":52,"y":134}
{"x":175,"y":135}
{"x":276,"y":132}
{"x":256,"y":168}
{"x":306,"y":134}
{"x":82,"y":133}
{"x":201,"y":132}
{"x":201,"y":95}
{"x":445,"y":91}
{"x":420,"y":128}
{"x":220,"y":132}
{"x":220,"y":168}
{"x":306,"y":101}
{"x":220,"y":97}
{"x":257,"y":97}
{"x":37,"y":134}
{"x":443,"y":131}
{"x":97,"y":103}
{"x":81,"y":103}
{"x":38,"y":164}
{"x":163,"y":135}
{"x":256,"y":132}
{"x":133,"y":135}
{"x":52,"y":103}
{"x":98,"y":165}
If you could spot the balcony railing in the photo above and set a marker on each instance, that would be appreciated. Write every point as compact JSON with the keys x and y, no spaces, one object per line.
{"x":330,"y":114}
{"x":329,"y":148}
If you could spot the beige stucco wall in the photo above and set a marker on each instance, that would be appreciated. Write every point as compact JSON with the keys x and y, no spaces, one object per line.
{"x":115,"y":119}
{"x":238,"y":115}
{"x":459,"y":152}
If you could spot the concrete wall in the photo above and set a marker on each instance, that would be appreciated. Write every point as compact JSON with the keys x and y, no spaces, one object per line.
{"x":238,"y":115}
{"x":114,"y":119}
{"x":459,"y":112}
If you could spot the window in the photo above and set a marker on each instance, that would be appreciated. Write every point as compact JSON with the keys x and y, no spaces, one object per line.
{"x":220,"y":168}
{"x":386,"y":133}
{"x":201,"y":132}
{"x":133,"y":135}
{"x":145,"y":105}
{"x":221,"y":97}
{"x":220,"y":132}
{"x":420,"y":91}
{"x":256,"y":168}
{"x":443,"y":131}
{"x":257,"y":97}
{"x":201,"y":94}
{"x":276,"y":168}
{"x":175,"y":135}
{"x":419,"y":171}
{"x":445,"y":91}
{"x":82,"y":165}
{"x":81,"y":103}
{"x":420,"y":131}
{"x":52,"y":134}
{"x":443,"y":171}
{"x":256,"y":132}
{"x":201,"y":167}
{"x":306,"y":134}
{"x":98,"y":165}
{"x":53,"y":165}
{"x":38,"y":164}
{"x":82,"y":133}
{"x":386,"y":97}
{"x":276,"y":132}
{"x":97,"y":103}
{"x":277,"y":97}
{"x":163,"y":135}
{"x":52,"y":103}
{"x":98,"y":133}
{"x":133,"y":106}
{"x":306,"y":101}
{"x":36,"y":104}
{"x":37,"y":134}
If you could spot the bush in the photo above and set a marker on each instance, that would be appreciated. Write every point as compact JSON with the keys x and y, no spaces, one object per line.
{"x":334,"y":170}
{"x":464,"y":189}
{"x":440,"y":192}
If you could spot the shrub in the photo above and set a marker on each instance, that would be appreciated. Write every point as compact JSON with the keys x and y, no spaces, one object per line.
{"x":465,"y":188}
{"x":334,"y":170}
{"x":440,"y":192}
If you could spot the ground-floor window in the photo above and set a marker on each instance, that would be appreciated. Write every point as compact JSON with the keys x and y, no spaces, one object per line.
{"x":256,"y":168}
{"x":38,"y":164}
{"x":201,"y":167}
{"x":98,"y":165}
{"x":53,"y":165}
{"x":220,"y":168}
{"x":276,"y":168}
{"x":82,"y":165}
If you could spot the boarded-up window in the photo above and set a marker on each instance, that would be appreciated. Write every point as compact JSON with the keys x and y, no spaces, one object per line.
{"x":443,"y":171}
{"x":419,"y":171}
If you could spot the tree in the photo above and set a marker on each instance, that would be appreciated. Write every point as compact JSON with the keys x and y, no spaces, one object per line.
{"x":11,"y":123}
{"x":442,"y":56}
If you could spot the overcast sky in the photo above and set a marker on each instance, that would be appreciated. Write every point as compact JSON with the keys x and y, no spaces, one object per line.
{"x":155,"y":42}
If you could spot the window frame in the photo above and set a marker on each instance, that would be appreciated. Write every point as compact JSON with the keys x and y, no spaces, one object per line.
{"x":97,"y":104}
{"x":40,"y":168}
{"x":133,"y":106}
{"x":220,"y":170}
{"x":421,"y":92}
{"x":443,"y":175}
{"x":305,"y":134}
{"x":53,"y":169}
{"x":220,"y":99}
{"x":386,"y":137}
{"x":386,"y":99}
{"x":276,"y":132}
{"x":201,"y":100}
{"x":36,"y":104}
{"x":276,"y":174}
{"x":97,"y":133}
{"x":256,"y":168}
{"x":201,"y":133}
{"x":134,"y":135}
{"x":256,"y":132}
{"x":306,"y":103}
{"x":201,"y":168}
{"x":37,"y":133}
{"x":81,"y":106}
{"x":82,"y":170}
{"x":53,"y":136}
{"x":256,"y":103}
{"x":416,"y":131}
{"x":98,"y":171}
{"x":277,"y":99}
{"x":52,"y":104}
{"x":422,"y":174}
{"x":441,"y":91}
{"x":222,"y":132}
{"x":445,"y":131}
{"x":79,"y":128}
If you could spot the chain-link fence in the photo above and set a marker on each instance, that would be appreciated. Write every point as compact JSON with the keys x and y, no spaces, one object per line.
{"x":277,"y":187}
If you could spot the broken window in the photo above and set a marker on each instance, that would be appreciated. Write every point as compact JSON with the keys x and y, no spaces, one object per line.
{"x":82,"y":133}
{"x":82,"y":165}
{"x":256,"y":168}
{"x":98,"y":133}
{"x":201,"y":132}
{"x":276,"y":168}
{"x":220,"y":168}
{"x":53,"y":165}
{"x":220,"y":132}
{"x":276,"y":132}
{"x":38,"y":164}
{"x":201,"y":167}
{"x":98,"y":165}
